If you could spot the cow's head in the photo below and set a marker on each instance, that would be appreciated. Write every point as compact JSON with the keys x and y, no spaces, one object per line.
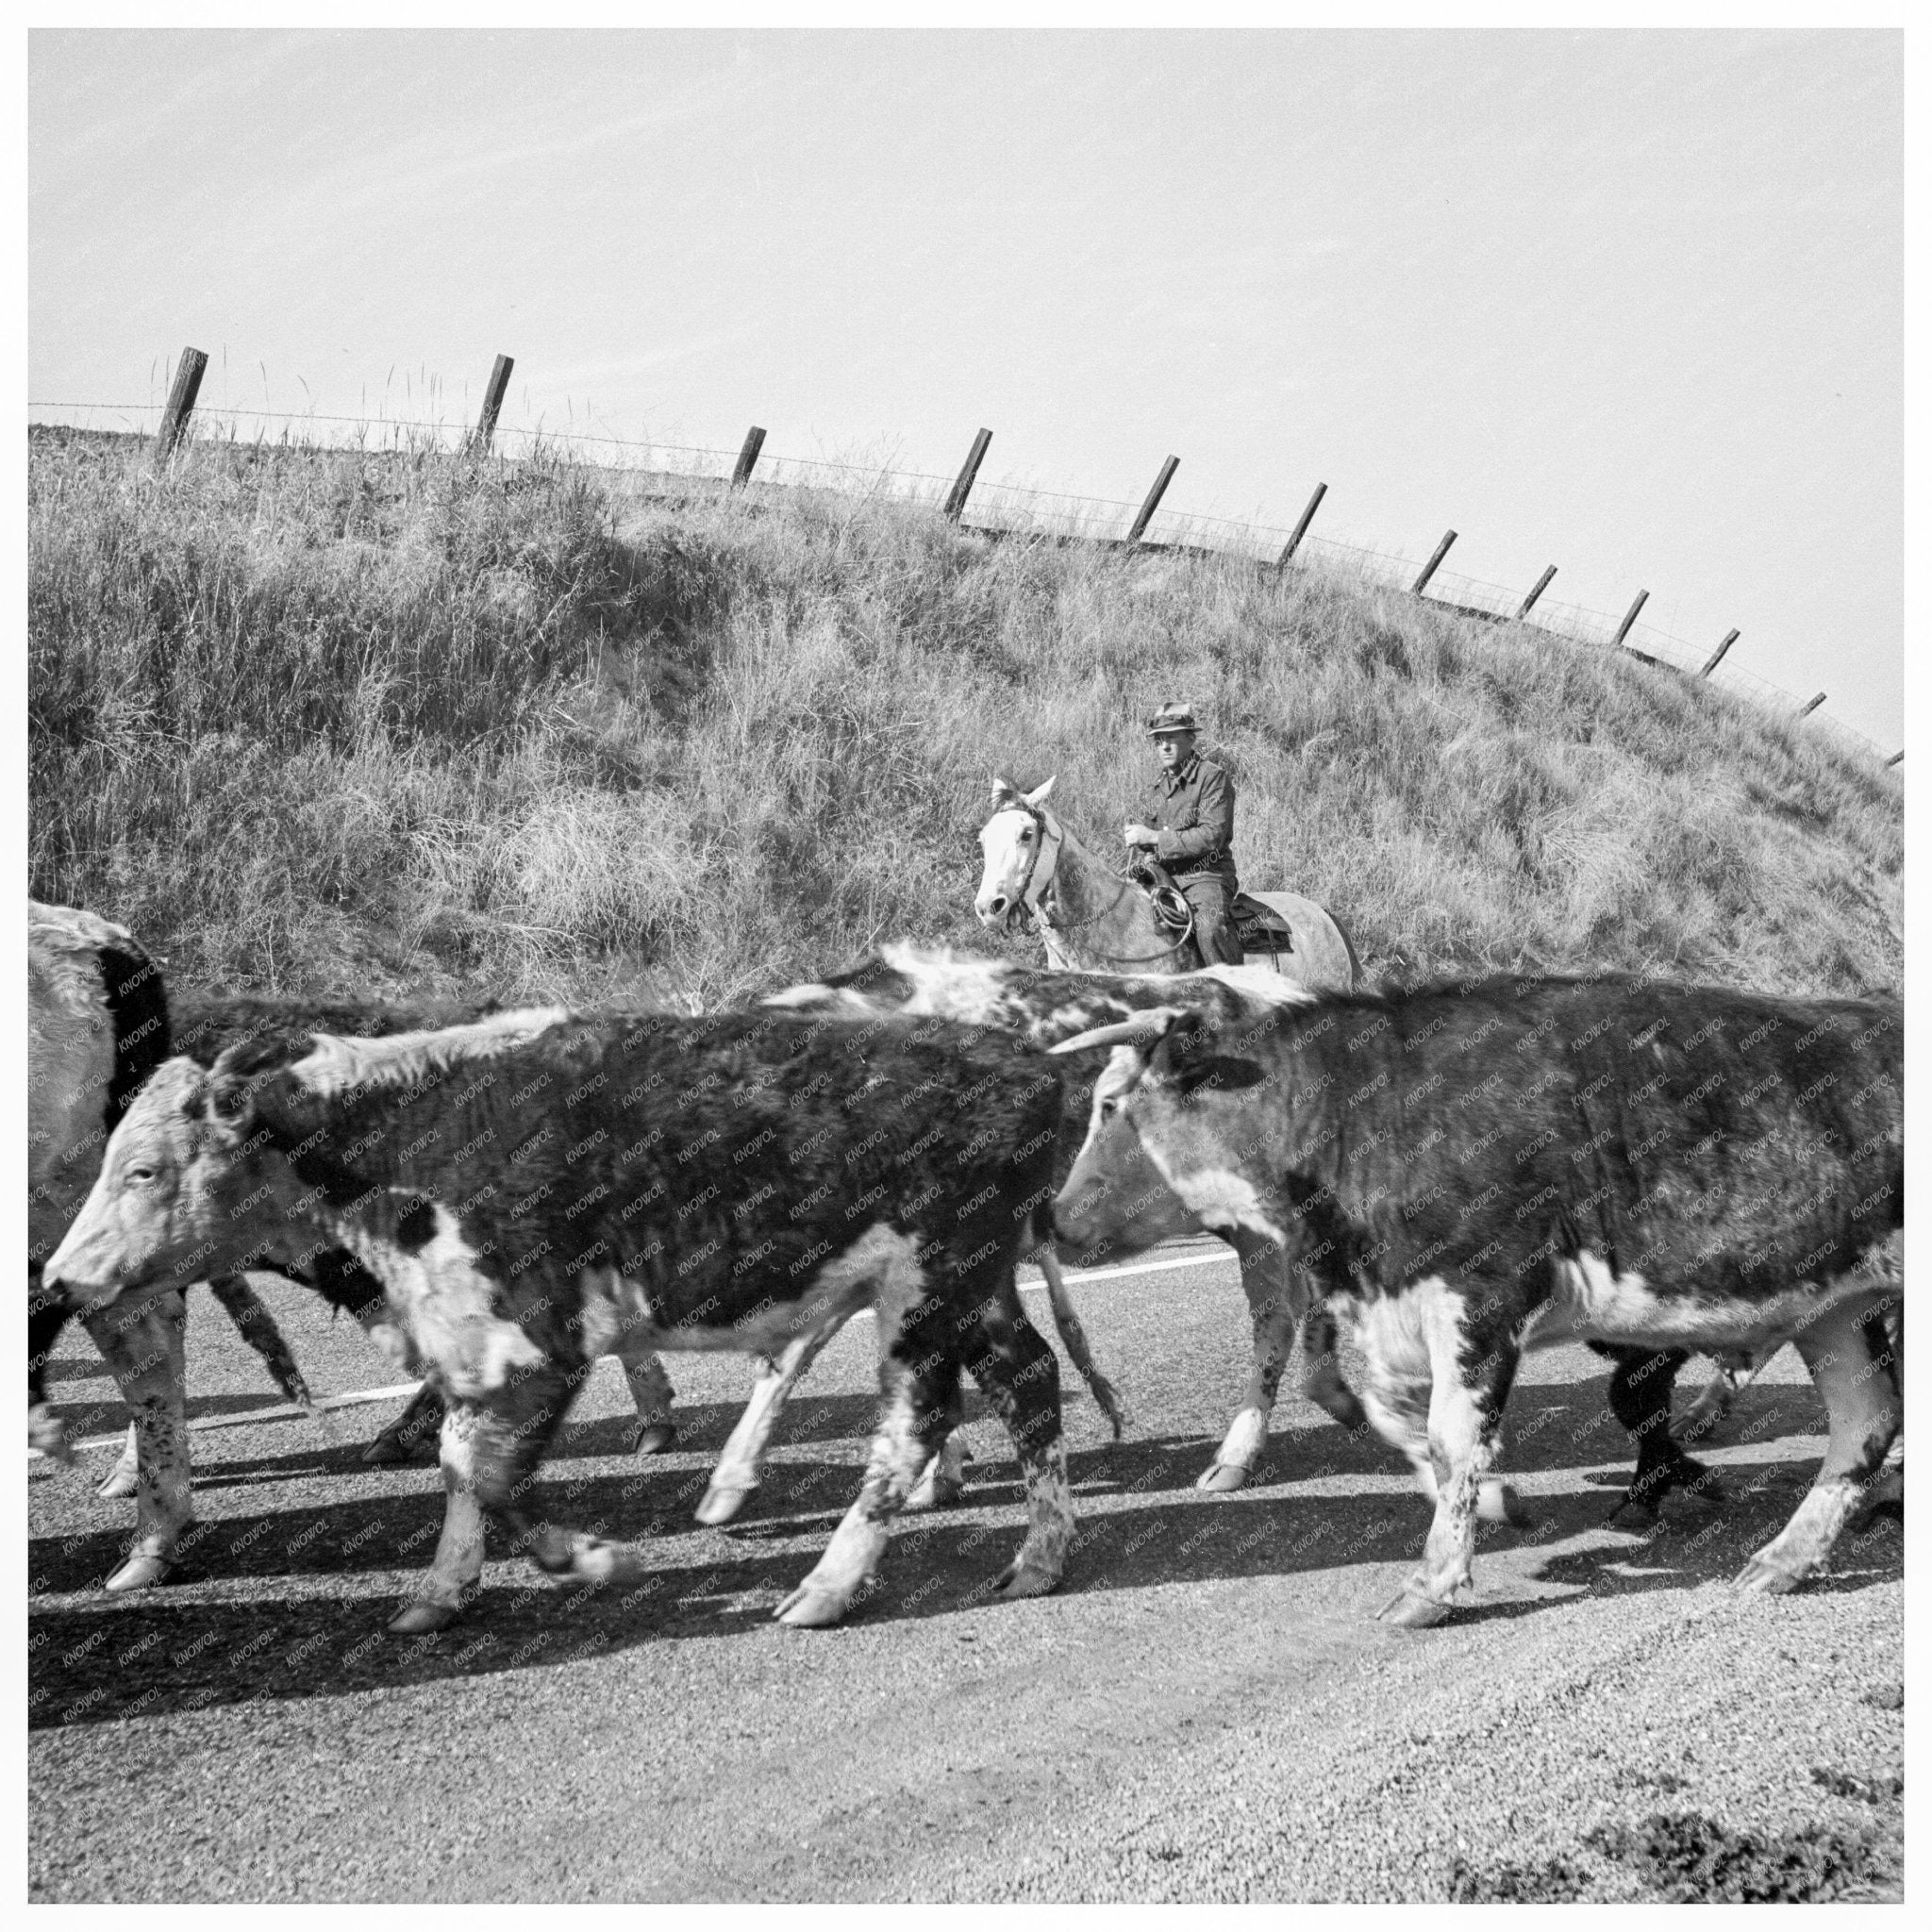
{"x":190,"y":1186}
{"x":1125,"y":1190}
{"x":1020,"y":842}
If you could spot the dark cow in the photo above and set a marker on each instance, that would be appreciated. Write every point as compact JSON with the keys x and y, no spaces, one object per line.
{"x":1474,"y":1171}
{"x":536,"y":1188}
{"x":98,"y":1025}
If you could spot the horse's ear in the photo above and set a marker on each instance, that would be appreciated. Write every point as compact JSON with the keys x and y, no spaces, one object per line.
{"x":1037,"y":797}
{"x":1004,"y":796}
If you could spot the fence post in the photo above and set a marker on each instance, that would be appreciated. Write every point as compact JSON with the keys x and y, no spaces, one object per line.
{"x":1153,"y":503}
{"x":188,"y":374}
{"x":1301,"y":530}
{"x":748,"y":457}
{"x":1809,"y":706}
{"x":1536,"y":590}
{"x":492,"y":403}
{"x":1894,"y":760}
{"x":1629,"y":618}
{"x":1415,"y":590}
{"x":1717,"y":656}
{"x":962,"y":485}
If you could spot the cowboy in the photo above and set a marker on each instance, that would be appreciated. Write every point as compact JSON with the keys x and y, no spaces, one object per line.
{"x":1192,"y":832}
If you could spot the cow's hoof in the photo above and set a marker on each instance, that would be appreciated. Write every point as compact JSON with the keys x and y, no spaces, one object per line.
{"x":119,"y":1482}
{"x":595,"y":1560}
{"x":1409,"y":1610}
{"x":1767,"y":1579}
{"x":1219,"y":1478}
{"x":812,"y":1609}
{"x":933,"y":1491}
{"x":392,"y":1447}
{"x":142,"y":1573}
{"x":1024,"y":1580}
{"x":420,"y":1618}
{"x":720,"y":1503}
{"x":652,"y":1439}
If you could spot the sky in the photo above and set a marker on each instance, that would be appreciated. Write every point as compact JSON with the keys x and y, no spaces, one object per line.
{"x":1625,"y":303}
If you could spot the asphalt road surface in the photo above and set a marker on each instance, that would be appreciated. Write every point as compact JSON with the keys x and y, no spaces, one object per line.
{"x":1206,"y":1710}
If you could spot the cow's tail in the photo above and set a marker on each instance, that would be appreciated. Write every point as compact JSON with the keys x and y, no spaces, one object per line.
{"x":1067,"y":1322}
{"x":250,"y":1314}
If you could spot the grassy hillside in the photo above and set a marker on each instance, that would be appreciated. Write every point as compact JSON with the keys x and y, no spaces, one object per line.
{"x":330,"y":722}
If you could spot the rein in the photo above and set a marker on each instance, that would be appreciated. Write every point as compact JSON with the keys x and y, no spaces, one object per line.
{"x":1037,"y":905}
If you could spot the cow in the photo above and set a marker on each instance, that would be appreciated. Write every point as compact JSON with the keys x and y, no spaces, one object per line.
{"x":1470,"y":1170}
{"x":98,"y":1024}
{"x":535,"y":1189}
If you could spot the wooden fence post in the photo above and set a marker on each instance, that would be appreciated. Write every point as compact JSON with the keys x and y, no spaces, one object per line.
{"x":748,"y":457}
{"x":1717,"y":656}
{"x":962,"y":485}
{"x":492,"y":403}
{"x":188,"y":374}
{"x":1153,"y":503}
{"x":1629,"y":618}
{"x":1416,"y":589}
{"x":1301,"y":530}
{"x":1536,"y":590}
{"x":1809,"y":706}
{"x":1894,"y":760}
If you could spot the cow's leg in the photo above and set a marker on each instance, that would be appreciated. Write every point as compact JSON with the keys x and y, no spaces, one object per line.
{"x":142,"y":1345}
{"x":417,"y":1424}
{"x":1321,"y":1378}
{"x":944,"y":1481}
{"x":459,"y":1560}
{"x":1396,"y":1399}
{"x":1276,"y":1313}
{"x":1017,"y":1375}
{"x":652,"y":1395}
{"x":517,"y":1424}
{"x":45,"y":1318}
{"x":1733,"y":1371}
{"x":123,"y":1479}
{"x":250,"y":1314}
{"x":1464,"y":1433}
{"x":1068,"y":1321}
{"x":1861,"y":1395}
{"x":1640,"y":1398}
{"x":737,"y":1473}
{"x":918,"y":1385}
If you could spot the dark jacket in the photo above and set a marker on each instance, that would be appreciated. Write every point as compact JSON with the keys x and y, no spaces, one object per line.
{"x":1192,"y":810}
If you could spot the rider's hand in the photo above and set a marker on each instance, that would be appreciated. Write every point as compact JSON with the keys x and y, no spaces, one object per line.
{"x":1141,"y":835}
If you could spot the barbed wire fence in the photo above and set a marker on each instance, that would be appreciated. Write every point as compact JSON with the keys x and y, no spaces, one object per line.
{"x":649,"y":468}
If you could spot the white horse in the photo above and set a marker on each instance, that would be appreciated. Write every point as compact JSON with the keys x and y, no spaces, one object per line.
{"x":1095,"y":921}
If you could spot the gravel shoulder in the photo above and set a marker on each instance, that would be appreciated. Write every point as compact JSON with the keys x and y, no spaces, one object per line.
{"x":1206,"y":1710}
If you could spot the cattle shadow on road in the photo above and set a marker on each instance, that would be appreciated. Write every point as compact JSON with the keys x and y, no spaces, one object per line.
{"x":244,"y":1634}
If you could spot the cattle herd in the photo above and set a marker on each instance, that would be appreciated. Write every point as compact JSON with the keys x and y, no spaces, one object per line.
{"x":1450,"y":1176}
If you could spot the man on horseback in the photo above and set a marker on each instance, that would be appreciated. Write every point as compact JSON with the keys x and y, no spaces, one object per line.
{"x":1191,"y":832}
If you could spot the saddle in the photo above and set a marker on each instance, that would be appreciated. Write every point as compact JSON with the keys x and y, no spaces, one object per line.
{"x":1259,"y":928}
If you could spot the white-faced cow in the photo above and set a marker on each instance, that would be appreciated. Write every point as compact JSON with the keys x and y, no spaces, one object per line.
{"x":1044,"y":1008}
{"x":535,"y":1189}
{"x":1471,"y":1171}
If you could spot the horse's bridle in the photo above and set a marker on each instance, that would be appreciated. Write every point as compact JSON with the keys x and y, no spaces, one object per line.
{"x":1037,"y":906}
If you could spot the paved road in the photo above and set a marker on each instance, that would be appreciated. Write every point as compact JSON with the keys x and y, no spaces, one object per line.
{"x":1205,"y":1711}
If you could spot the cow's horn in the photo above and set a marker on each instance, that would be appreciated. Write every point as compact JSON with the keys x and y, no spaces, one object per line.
{"x":1143,"y":1029}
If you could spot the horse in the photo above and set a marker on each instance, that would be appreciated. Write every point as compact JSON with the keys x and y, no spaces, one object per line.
{"x":1094,"y":921}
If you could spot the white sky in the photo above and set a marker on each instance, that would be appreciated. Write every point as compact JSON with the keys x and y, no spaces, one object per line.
{"x":1625,"y":303}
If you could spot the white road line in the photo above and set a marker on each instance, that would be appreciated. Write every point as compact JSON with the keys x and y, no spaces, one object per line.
{"x":288,"y":1412}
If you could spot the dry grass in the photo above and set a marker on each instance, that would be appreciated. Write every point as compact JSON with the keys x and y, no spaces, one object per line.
{"x":328,"y":722}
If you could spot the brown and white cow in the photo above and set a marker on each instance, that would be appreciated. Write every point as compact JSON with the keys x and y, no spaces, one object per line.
{"x":536,"y":1189}
{"x":1473,"y":1172}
